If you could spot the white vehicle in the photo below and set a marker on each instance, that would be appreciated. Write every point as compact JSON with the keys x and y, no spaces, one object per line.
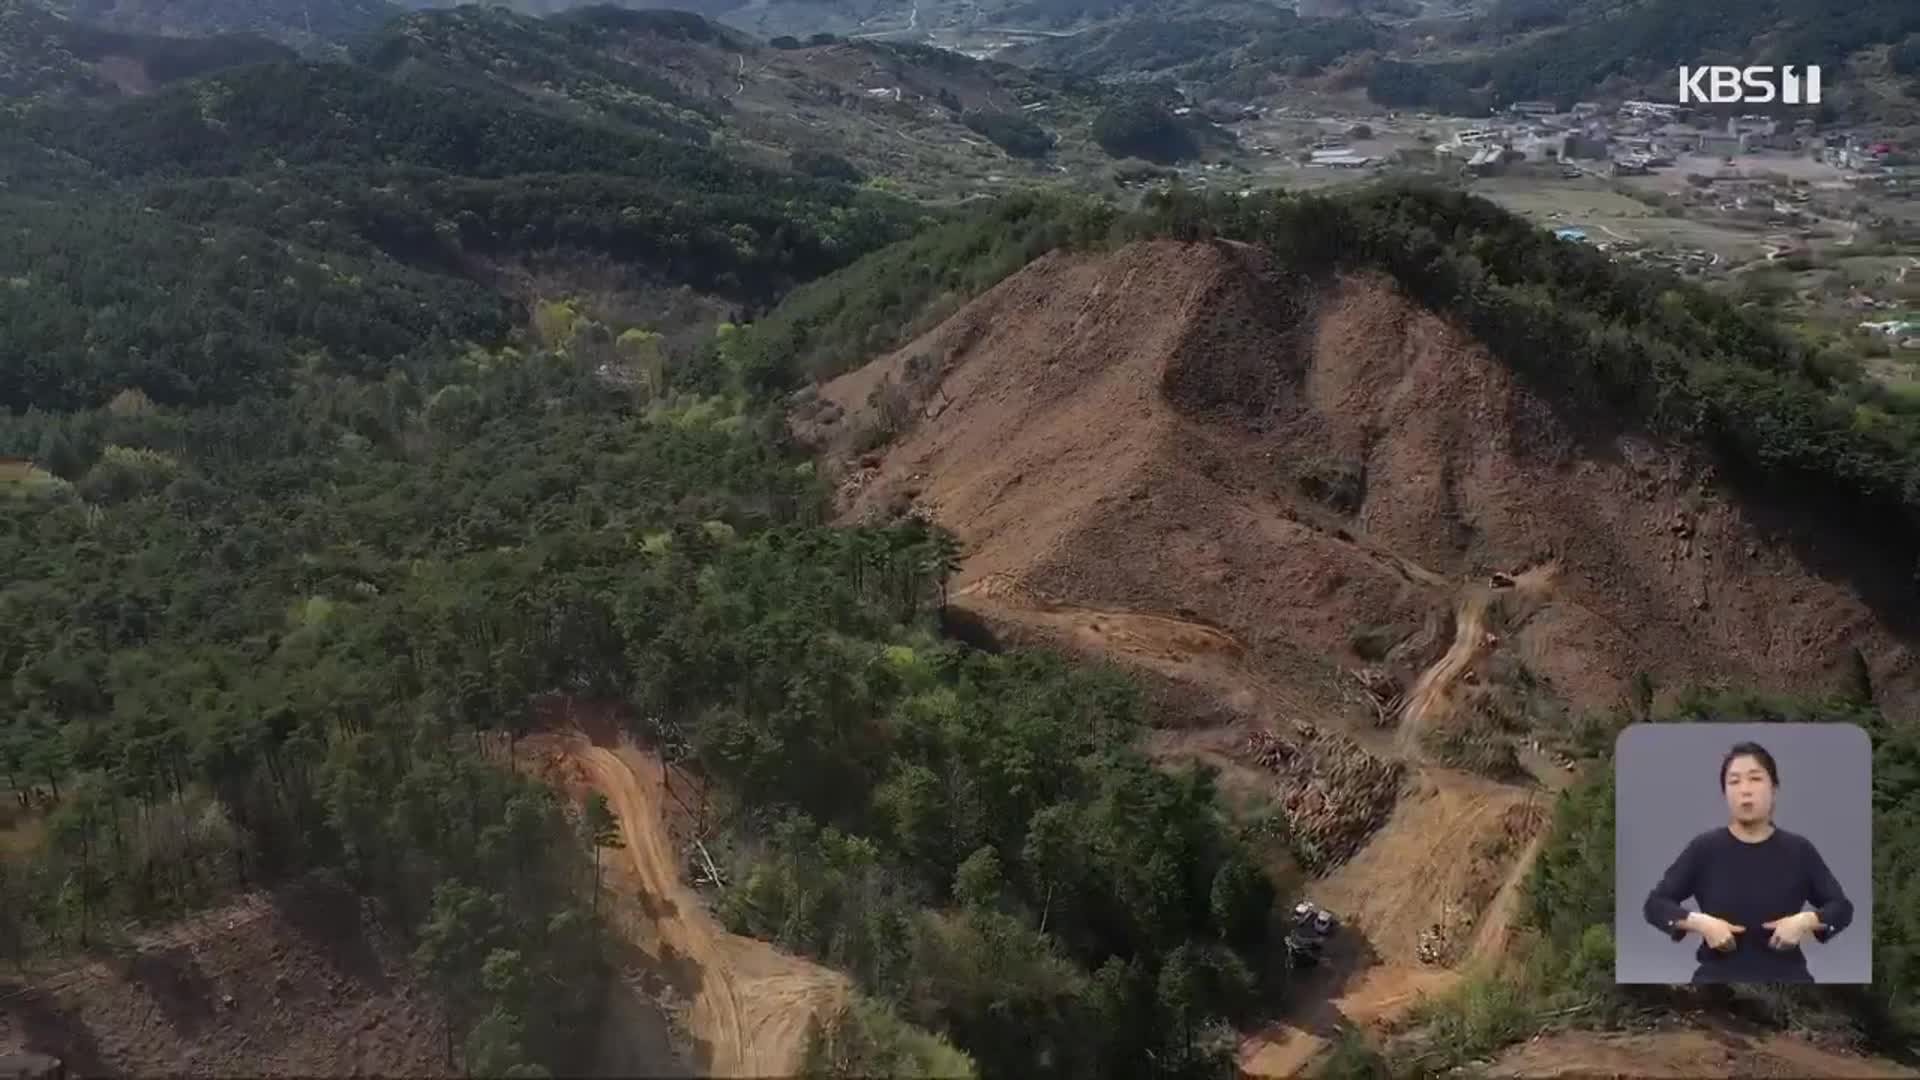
{"x":1312,"y":926}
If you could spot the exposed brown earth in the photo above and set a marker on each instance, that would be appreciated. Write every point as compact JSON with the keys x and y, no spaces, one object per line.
{"x":748,"y":1005}
{"x":1135,"y":432}
{"x":294,"y":983}
{"x":1175,"y":457}
{"x":1684,"y":1054}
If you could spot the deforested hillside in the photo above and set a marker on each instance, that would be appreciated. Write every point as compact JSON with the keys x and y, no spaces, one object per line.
{"x":1400,"y":511}
{"x":43,"y":55}
{"x":1183,"y":426}
{"x":294,"y":982}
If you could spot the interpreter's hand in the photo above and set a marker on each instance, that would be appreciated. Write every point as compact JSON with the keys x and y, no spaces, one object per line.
{"x":1790,"y":931}
{"x":1717,"y":932}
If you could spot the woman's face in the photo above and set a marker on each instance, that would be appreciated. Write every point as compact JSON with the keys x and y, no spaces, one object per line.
{"x":1749,"y":790}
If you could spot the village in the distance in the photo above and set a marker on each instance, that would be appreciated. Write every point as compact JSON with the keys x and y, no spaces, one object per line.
{"x":1803,"y":217}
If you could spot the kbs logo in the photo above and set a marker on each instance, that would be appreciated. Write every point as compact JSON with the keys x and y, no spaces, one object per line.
{"x":1750,"y":85}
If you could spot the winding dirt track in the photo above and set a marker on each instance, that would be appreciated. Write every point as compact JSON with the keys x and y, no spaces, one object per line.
{"x":1424,"y":854}
{"x":1424,"y":865}
{"x":749,"y":1003}
{"x":1427,"y":701}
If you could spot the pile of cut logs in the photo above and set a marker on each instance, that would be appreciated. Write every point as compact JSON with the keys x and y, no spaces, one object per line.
{"x":1334,"y":794}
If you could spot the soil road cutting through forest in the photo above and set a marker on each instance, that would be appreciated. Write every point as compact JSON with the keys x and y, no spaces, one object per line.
{"x":749,"y":1003}
{"x":1436,"y":859}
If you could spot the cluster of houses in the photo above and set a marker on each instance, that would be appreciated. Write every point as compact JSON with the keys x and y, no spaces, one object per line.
{"x":1638,"y":136}
{"x":1688,"y":261}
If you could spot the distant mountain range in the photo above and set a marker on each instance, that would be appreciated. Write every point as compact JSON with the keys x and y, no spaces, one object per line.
{"x":1464,"y":61}
{"x":1565,"y":50}
{"x":920,"y":119}
{"x":303,"y":24}
{"x":45,"y":55}
{"x":1470,"y":61}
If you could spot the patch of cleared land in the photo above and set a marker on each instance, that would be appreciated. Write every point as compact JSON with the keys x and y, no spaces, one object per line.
{"x":1607,"y":214}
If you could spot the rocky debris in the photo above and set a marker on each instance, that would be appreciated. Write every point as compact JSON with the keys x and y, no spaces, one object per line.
{"x":1377,"y":682}
{"x":1334,"y":794}
{"x":1382,"y":694}
{"x":1433,"y":945}
{"x":859,"y":475}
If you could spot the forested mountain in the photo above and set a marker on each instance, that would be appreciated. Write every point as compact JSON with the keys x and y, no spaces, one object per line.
{"x":309,"y":25}
{"x":1568,"y":52}
{"x":321,"y":513}
{"x":295,"y":466}
{"x":1558,"y":50}
{"x":321,"y":483}
{"x":393,"y":191}
{"x":1242,"y":54}
{"x":909,"y":113}
{"x":45,"y":56}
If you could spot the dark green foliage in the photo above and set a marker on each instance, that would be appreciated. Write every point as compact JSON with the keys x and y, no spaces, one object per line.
{"x":307,"y":24}
{"x":99,"y":296}
{"x":589,"y":62}
{"x":1093,"y":858}
{"x":1211,"y":51}
{"x":367,"y":263}
{"x":240,"y":324}
{"x":1517,"y":16}
{"x":599,"y":23}
{"x":825,"y":165}
{"x":1441,"y":88}
{"x":44,"y":55}
{"x":1305,"y":46}
{"x":1571,"y":887}
{"x":1018,"y":135}
{"x":274,"y":115}
{"x":292,"y":613}
{"x":751,"y":237}
{"x":1143,"y":128}
{"x":1142,"y":44}
{"x":837,"y":323}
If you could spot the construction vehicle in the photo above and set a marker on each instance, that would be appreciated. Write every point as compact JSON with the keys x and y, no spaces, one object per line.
{"x":1313,"y":925}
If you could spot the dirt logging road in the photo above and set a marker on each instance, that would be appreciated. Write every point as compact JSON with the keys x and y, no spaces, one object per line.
{"x":749,"y":1004}
{"x":1426,"y":702}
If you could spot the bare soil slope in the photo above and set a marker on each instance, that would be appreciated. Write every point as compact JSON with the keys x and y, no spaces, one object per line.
{"x":1140,"y":432}
{"x":1684,"y":1054}
{"x":1178,"y":457}
{"x":286,"y":984}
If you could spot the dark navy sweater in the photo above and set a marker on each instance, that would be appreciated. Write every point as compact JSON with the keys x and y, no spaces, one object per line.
{"x":1750,"y":885}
